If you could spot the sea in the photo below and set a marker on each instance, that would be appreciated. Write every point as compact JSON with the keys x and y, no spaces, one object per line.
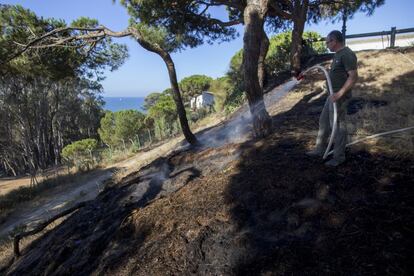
{"x":122,"y":103}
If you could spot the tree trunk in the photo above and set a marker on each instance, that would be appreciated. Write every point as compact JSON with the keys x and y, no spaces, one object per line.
{"x":149,"y":135}
{"x":189,"y":136}
{"x":254,"y":15}
{"x":344,"y":19}
{"x":263,"y":52}
{"x":139,"y":142}
{"x":300,"y":10}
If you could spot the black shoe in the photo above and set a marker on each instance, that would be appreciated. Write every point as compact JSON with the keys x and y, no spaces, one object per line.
{"x":334,"y":163}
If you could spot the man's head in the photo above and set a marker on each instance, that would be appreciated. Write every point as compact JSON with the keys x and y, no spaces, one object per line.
{"x":335,"y":41}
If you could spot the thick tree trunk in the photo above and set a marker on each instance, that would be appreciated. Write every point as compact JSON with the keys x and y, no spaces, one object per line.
{"x":189,"y":136}
{"x":254,"y":15}
{"x":300,"y":10}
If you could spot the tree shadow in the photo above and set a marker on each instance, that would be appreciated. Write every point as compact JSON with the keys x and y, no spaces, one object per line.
{"x":403,"y":83}
{"x":357,"y":104}
{"x":299,"y":217}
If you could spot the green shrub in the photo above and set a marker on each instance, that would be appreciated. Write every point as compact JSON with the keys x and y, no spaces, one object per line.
{"x":121,"y":129}
{"x":164,"y":116}
{"x":80,"y":154}
{"x":200,"y":113}
{"x":278,"y":56}
{"x":221,"y":88}
{"x":194,"y":85}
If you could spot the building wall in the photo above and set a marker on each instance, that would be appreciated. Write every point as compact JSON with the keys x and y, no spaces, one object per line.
{"x":203,"y":100}
{"x":358,"y":44}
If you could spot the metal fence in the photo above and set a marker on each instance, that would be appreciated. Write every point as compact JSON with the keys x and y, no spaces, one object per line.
{"x":391,"y":35}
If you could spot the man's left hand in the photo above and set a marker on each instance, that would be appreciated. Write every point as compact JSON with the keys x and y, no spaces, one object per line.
{"x":335,"y":97}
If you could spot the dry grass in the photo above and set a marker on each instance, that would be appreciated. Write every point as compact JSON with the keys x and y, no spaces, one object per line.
{"x":208,"y":121}
{"x":385,"y":76}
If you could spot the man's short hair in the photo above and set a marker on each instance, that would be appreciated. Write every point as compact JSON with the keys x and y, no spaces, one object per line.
{"x":337,"y":35}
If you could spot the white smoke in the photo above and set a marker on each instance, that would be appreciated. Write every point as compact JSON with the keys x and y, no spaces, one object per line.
{"x":239,"y":128}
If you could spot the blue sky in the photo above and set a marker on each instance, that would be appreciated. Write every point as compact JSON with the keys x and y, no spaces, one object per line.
{"x":145,"y":72}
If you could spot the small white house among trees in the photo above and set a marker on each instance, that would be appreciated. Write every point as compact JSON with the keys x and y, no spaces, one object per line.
{"x":206,"y":99}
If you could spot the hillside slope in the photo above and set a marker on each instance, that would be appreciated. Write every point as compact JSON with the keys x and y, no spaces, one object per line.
{"x":250,"y":206}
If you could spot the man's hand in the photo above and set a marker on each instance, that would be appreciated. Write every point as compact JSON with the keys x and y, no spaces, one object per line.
{"x":300,"y":76}
{"x":297,"y":74}
{"x":350,"y":82}
{"x":336,"y":96}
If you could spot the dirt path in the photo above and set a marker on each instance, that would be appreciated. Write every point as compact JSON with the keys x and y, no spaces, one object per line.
{"x":11,"y":183}
{"x":8,"y":184}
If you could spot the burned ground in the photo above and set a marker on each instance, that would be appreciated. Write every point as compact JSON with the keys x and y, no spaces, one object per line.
{"x":254,"y":208}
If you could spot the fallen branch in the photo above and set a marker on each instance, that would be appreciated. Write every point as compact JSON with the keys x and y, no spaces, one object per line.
{"x":42,"y":226}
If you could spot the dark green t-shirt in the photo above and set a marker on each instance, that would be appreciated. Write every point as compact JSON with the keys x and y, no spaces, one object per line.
{"x":343,"y":61}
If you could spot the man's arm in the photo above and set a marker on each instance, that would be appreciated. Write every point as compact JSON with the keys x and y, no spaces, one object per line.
{"x":350,"y":82}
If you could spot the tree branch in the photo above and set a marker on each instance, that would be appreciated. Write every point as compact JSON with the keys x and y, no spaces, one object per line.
{"x":205,"y":9}
{"x":224,"y":24}
{"x":49,"y":45}
{"x":278,"y":11}
{"x":96,"y":34}
{"x":234,"y":4}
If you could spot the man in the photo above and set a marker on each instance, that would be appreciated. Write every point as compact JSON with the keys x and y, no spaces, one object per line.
{"x":343,"y":74}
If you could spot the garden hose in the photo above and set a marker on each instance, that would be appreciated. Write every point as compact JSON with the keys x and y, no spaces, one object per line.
{"x":376,"y":135}
{"x":335,"y":113}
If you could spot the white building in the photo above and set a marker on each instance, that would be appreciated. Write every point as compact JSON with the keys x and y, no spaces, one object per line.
{"x":206,"y":99}
{"x":381,"y":42}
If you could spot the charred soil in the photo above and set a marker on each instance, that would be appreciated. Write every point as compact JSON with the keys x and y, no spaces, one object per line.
{"x":251,"y":208}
